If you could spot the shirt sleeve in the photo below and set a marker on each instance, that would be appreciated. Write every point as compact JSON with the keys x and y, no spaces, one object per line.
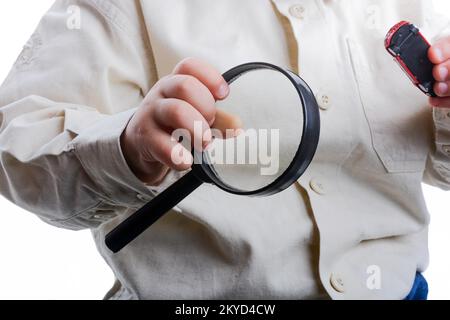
{"x":63,"y":107}
{"x":437,"y":171}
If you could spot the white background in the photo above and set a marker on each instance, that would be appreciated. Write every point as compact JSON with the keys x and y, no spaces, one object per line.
{"x":38,"y":261}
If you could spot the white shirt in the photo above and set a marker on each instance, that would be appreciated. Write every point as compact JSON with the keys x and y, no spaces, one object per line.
{"x":358,"y":208}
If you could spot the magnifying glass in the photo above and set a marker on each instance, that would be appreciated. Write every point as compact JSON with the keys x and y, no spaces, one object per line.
{"x":279,"y":137}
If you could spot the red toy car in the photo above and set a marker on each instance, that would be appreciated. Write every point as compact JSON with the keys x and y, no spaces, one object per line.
{"x":410,"y":49}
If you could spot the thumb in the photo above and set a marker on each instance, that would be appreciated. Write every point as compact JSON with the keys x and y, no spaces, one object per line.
{"x":227,"y":122}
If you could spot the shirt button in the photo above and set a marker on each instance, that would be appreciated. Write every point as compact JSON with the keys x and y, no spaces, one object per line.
{"x":446,"y":149}
{"x":317,"y":186}
{"x":297,"y":11}
{"x":323,"y":100}
{"x":337,"y":283}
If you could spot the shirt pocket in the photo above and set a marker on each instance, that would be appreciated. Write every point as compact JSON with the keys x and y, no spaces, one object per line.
{"x":396,"y":111}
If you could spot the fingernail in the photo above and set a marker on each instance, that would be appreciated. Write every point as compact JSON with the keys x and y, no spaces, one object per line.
{"x":442,"y":88}
{"x":439,"y":55}
{"x":207,"y":137}
{"x":443,"y":73}
{"x":223,"y":91}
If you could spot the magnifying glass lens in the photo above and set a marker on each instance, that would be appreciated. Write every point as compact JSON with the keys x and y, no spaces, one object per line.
{"x":270,"y":112}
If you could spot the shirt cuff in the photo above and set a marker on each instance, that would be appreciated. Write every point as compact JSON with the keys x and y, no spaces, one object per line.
{"x":441,"y":119}
{"x":99,"y":151}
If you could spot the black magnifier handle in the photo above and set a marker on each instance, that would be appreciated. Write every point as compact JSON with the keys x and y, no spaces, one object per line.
{"x":138,"y":222}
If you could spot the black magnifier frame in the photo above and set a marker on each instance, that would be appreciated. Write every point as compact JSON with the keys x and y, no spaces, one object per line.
{"x":202,"y":171}
{"x":307,"y":147}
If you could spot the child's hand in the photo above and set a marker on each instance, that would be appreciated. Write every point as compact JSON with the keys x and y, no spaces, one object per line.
{"x":439,"y":54}
{"x":175,"y":101}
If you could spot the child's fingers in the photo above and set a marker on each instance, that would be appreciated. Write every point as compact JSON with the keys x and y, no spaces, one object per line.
{"x":441,"y":72}
{"x":442,"y":89}
{"x":167,"y":151}
{"x":440,"y":102}
{"x":206,"y":73}
{"x":178,"y":114}
{"x":440,"y":51}
{"x":191,"y":90}
{"x":227,"y":121}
